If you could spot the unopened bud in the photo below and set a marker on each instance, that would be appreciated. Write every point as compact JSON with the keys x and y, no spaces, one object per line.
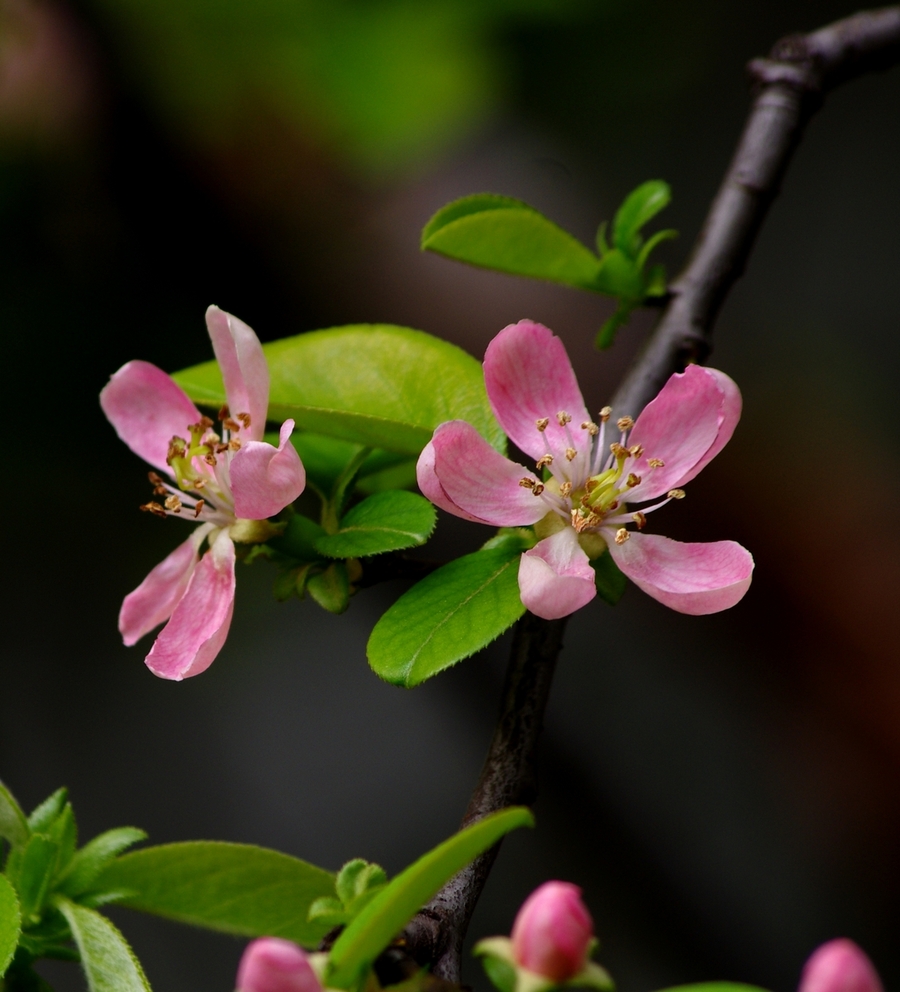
{"x":553,"y":932}
{"x":839,"y":966}
{"x":271,"y":964}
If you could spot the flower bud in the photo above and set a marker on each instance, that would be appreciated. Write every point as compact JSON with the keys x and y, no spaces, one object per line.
{"x":839,"y":966}
{"x":274,"y":965}
{"x":553,"y":932}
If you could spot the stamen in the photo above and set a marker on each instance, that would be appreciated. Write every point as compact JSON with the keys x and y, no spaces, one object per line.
{"x":674,"y":494}
{"x":155,"y":508}
{"x":159,"y":488}
{"x":636,"y":450}
{"x":619,"y":450}
{"x":200,"y":504}
{"x":542,"y":424}
{"x":220,"y":449}
{"x":205,"y":423}
{"x":210,"y":459}
{"x":591,"y":428}
{"x":565,"y":490}
{"x":632,"y":481}
{"x":538,"y":489}
{"x":234,"y":444}
{"x":177,"y":449}
{"x":622,"y":535}
{"x":655,"y":462}
{"x":244,"y":418}
{"x":544,"y":460}
{"x":570,"y":454}
{"x":173,"y":503}
{"x":605,"y":414}
{"x":230,"y":424}
{"x":526,"y":483}
{"x":199,"y":484}
{"x":639,"y":519}
{"x":625,"y":423}
{"x":224,"y":412}
{"x":563,"y":418}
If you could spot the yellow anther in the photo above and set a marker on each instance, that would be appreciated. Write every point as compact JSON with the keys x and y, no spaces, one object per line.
{"x":210,"y":459}
{"x":538,"y":489}
{"x":640,"y":519}
{"x":173,"y":503}
{"x":591,"y":428}
{"x":622,"y":535}
{"x":632,"y":480}
{"x":234,"y":444}
{"x":544,"y":460}
{"x":570,"y":454}
{"x":244,"y":418}
{"x":199,"y":483}
{"x":591,"y":485}
{"x":542,"y":424}
{"x":565,"y":489}
{"x":155,"y":508}
{"x":675,"y":494}
{"x":636,"y":450}
{"x":605,"y":414}
{"x":526,"y":483}
{"x":200,"y":504}
{"x":618,"y":450}
{"x":625,"y":423}
{"x":655,"y":462}
{"x":563,"y":418}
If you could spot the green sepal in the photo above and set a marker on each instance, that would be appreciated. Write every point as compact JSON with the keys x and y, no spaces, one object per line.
{"x":388,"y":521}
{"x":392,"y":908}
{"x":109,"y":963}
{"x":609,"y":579}
{"x":507,"y":975}
{"x":13,"y":822}
{"x":298,"y":539}
{"x":449,"y":615}
{"x":89,"y":862}
{"x":291,"y":583}
{"x":10,"y":923}
{"x":511,"y":539}
{"x":331,"y":588}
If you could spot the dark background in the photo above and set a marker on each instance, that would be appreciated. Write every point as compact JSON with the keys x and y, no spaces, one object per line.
{"x":726,"y":788}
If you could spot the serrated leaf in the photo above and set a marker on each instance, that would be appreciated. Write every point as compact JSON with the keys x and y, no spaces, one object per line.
{"x":64,"y":832}
{"x":380,"y":921}
{"x":384,"y":522}
{"x":609,"y":579}
{"x":356,"y":877}
{"x":109,"y":963}
{"x":640,"y":206}
{"x":448,"y":616}
{"x":87,"y":863}
{"x":13,"y":822}
{"x":42,"y":816}
{"x":235,"y":888}
{"x":501,"y":233}
{"x":373,"y":384}
{"x":10,"y":923}
{"x":34,"y":873}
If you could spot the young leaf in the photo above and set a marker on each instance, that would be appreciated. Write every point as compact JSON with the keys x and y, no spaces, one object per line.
{"x":374,"y":384}
{"x":236,"y":888}
{"x":383,"y":522}
{"x":331,"y":588}
{"x":13,"y":824}
{"x":298,"y":539}
{"x":64,"y":833}
{"x":610,"y":580}
{"x":449,"y":615}
{"x":640,"y":206}
{"x":498,"y":232}
{"x":380,"y":921}
{"x":34,"y":873}
{"x":109,"y":963}
{"x":87,"y":863}
{"x":10,"y":923}
{"x":42,"y":816}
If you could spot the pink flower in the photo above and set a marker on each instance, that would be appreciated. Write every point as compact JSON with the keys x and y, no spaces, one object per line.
{"x":553,"y":932}
{"x":839,"y":966}
{"x":587,"y":504}
{"x":274,"y":965}
{"x":229,"y":482}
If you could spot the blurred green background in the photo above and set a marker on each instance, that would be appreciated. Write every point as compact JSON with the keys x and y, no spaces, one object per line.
{"x":726,"y":789}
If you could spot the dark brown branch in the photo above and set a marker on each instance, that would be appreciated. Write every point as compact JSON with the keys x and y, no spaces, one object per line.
{"x":789,"y":87}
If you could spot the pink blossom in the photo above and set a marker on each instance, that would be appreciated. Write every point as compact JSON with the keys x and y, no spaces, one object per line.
{"x":229,"y":482}
{"x":271,"y":964}
{"x":553,"y":932}
{"x":597,"y":493}
{"x":839,"y":966}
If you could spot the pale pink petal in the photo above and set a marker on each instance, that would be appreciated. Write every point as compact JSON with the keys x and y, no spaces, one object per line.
{"x":147,"y":408}
{"x":244,"y":369}
{"x":729,"y":415}
{"x":680,"y":426}
{"x":271,"y":964}
{"x":839,"y":966}
{"x":553,"y":932}
{"x":528,"y":376}
{"x":154,"y":599}
{"x":265,"y":479}
{"x":689,"y":578}
{"x":480,"y":481}
{"x":190,"y":641}
{"x":555,"y":576}
{"x":432,"y":488}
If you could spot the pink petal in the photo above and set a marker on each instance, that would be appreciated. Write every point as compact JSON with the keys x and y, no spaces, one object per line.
{"x":244,"y":369}
{"x":553,"y":932}
{"x":432,"y":488}
{"x":689,"y":578}
{"x":271,"y":964}
{"x":479,"y":481}
{"x":147,"y":408}
{"x":686,"y":425}
{"x":190,"y":641}
{"x":839,"y":966}
{"x":528,"y":376}
{"x":265,"y":479}
{"x":555,"y":576}
{"x":154,"y":599}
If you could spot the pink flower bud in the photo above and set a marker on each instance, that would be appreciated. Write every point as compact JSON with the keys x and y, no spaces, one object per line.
{"x":553,"y":931}
{"x":274,"y":965}
{"x":839,"y":966}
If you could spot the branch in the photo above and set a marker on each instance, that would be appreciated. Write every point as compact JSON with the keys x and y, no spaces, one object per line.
{"x":790,"y":86}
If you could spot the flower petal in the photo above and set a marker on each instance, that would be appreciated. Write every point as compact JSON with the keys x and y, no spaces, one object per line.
{"x":555,"y":576}
{"x":479,"y":481}
{"x":432,"y":488}
{"x":192,"y":638}
{"x":154,"y":599}
{"x":686,"y":425}
{"x":265,"y":479}
{"x":147,"y":408}
{"x":689,"y":578}
{"x":244,"y":369}
{"x":528,"y":376}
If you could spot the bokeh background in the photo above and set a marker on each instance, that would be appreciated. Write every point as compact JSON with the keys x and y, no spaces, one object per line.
{"x":726,"y":789}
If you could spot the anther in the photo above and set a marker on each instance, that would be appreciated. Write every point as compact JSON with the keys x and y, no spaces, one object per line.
{"x":618,"y":450}
{"x":198,"y":507}
{"x":591,"y":428}
{"x":622,"y":535}
{"x":655,"y":462}
{"x":158,"y":488}
{"x":590,"y":485}
{"x":563,"y":418}
{"x":675,"y":494}
{"x":613,"y":506}
{"x":605,"y":414}
{"x":198,"y":484}
{"x":234,"y":444}
{"x":632,"y":480}
{"x":625,"y":423}
{"x":640,"y":519}
{"x":173,"y":503}
{"x":538,"y":489}
{"x":224,"y":412}
{"x":570,"y":454}
{"x":544,"y":460}
{"x":244,"y":418}
{"x":526,"y":483}
{"x":205,"y":423}
{"x":210,"y":459}
{"x":542,"y":424}
{"x":154,"y":508}
{"x":636,"y":450}
{"x":565,"y":489}
{"x":220,"y":449}
{"x":230,"y":424}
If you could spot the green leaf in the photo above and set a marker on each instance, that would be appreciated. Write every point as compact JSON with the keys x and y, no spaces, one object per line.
{"x":34,"y":872}
{"x":610,"y":580}
{"x":498,"y":232}
{"x":356,"y":878}
{"x":715,"y":987}
{"x":377,"y":925}
{"x":446,"y":617}
{"x":42,"y":816}
{"x":331,"y":588}
{"x":236,"y":888}
{"x":639,"y":207}
{"x":374,"y":384}
{"x":13,"y":824}
{"x":298,"y":540}
{"x":109,"y":963}
{"x":10,"y":923}
{"x":383,"y":522}
{"x":87,"y":863}
{"x":64,"y":832}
